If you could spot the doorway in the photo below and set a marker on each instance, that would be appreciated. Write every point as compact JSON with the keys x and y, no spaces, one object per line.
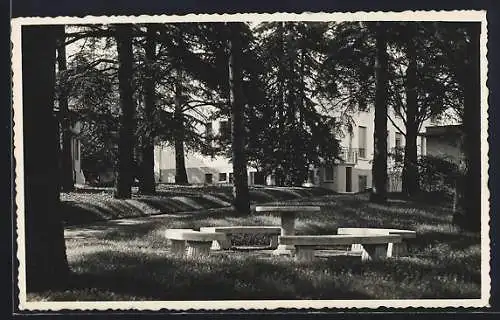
{"x":348,"y":179}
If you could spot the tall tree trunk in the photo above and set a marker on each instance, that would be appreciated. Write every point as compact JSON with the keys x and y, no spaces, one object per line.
{"x":67,"y":168}
{"x":379,"y":167}
{"x":147,"y":183}
{"x":472,"y":132}
{"x":280,"y":110}
{"x":124,"y":178}
{"x":409,"y":177}
{"x":179,"y":133}
{"x":180,"y":158}
{"x":240,"y":186}
{"x":46,"y":263}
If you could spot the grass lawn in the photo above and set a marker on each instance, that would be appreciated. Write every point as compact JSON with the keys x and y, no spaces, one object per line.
{"x":129,"y":259}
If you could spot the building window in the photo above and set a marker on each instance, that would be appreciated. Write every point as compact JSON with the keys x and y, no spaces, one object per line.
{"x":388,"y":141}
{"x":329,"y":173}
{"x":398,"y":142}
{"x":225,"y":129}
{"x":362,"y":141}
{"x":231,"y":177}
{"x":222,"y":176}
{"x":398,"y":147}
{"x":208,"y":178}
{"x":208,"y":129}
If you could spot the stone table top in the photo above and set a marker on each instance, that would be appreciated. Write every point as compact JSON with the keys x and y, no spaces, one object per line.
{"x":405,"y":234}
{"x":287,"y":208}
{"x":192,"y":235}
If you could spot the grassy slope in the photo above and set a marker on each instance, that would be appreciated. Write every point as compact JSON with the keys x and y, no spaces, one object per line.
{"x":130,"y":260}
{"x":97,"y":204}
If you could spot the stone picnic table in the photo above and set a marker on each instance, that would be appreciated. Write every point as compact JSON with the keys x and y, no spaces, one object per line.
{"x":287,"y":214}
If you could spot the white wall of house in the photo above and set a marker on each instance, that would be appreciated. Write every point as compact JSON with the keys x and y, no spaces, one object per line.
{"x":76,"y":155}
{"x":361,"y":142}
{"x":76,"y":151}
{"x":198,"y":167}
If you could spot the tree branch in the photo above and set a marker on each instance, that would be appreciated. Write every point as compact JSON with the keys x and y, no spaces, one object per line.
{"x":396,"y":126}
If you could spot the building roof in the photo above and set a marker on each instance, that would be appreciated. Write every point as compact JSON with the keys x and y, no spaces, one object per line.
{"x":448,"y":130}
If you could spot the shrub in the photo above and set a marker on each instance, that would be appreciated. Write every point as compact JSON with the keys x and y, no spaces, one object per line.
{"x":438,"y":175}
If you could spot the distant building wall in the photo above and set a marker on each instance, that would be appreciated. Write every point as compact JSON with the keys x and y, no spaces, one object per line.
{"x":358,"y":145}
{"x":76,"y":153}
{"x":200,"y":169}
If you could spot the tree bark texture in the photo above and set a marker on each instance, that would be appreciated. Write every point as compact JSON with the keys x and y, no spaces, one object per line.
{"x":67,"y":174}
{"x":472,"y":132}
{"x":240,"y":186}
{"x":147,"y":183}
{"x":124,"y":177}
{"x":409,"y":178}
{"x":180,"y":157}
{"x":46,"y":263}
{"x":379,"y":167}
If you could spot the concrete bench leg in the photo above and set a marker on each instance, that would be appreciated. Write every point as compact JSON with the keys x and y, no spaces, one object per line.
{"x":287,"y":229}
{"x":395,"y":250}
{"x":374,"y":252}
{"x":198,"y":249}
{"x":304,"y":253}
{"x":222,"y":244}
{"x":274,"y":241}
{"x":178,"y":247}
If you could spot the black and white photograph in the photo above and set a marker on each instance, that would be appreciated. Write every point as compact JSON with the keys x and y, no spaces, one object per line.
{"x":251,"y":161}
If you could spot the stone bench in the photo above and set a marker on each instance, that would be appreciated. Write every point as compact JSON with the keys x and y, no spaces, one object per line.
{"x":373,"y":246}
{"x":197,"y":242}
{"x":393,"y":249}
{"x":230,"y":230}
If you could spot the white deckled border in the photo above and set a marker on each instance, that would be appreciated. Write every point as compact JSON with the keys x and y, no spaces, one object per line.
{"x":249,"y":304}
{"x":485,"y":191}
{"x":457,"y":15}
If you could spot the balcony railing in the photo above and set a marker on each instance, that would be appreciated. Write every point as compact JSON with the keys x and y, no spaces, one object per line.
{"x":349,"y":155}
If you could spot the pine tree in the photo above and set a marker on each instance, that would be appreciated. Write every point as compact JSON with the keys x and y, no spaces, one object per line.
{"x":46,"y":263}
{"x":67,"y":175}
{"x":124,"y":178}
{"x":379,"y":168}
{"x":147,"y":181}
{"x":240,"y":185}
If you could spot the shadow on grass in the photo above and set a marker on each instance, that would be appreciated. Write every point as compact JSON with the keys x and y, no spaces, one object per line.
{"x":443,"y":278}
{"x":456,"y":241}
{"x":157,"y":277}
{"x":89,"y":205}
{"x":166,"y":205}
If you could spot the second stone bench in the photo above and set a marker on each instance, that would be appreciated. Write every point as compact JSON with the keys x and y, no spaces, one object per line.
{"x":398,"y":249}
{"x":192,"y":243}
{"x":372,"y":246}
{"x":225,"y":244}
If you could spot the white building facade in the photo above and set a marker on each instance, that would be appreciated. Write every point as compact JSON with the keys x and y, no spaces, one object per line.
{"x":350,"y":175}
{"x":353,"y":172}
{"x":200,"y":169}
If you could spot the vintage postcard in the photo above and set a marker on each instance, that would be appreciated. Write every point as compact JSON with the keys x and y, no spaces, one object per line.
{"x":251,"y":161}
